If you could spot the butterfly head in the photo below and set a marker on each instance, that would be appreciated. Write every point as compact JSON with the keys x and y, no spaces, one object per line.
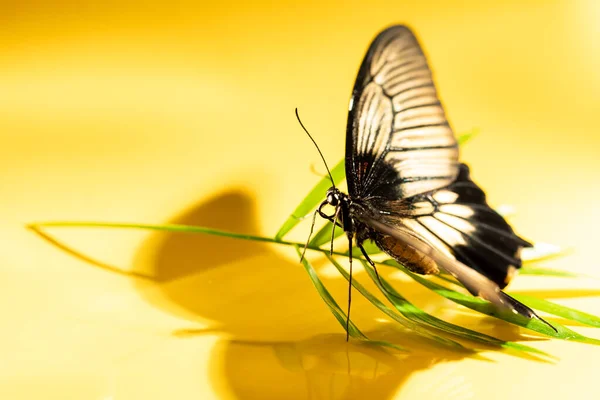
{"x":335,"y":197}
{"x":342,"y":204}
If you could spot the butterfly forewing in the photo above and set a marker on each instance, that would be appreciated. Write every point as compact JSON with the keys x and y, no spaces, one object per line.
{"x":399,"y":142}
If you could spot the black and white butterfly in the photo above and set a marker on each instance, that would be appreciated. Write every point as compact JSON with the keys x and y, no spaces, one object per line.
{"x":407,"y":190}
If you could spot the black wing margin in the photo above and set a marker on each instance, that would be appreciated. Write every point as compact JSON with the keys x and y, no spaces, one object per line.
{"x":457,"y":229}
{"x":458,"y":220}
{"x":475,"y":282}
{"x":398,"y":140}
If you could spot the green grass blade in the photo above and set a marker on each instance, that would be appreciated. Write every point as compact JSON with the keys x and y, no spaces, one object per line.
{"x":487,"y":308}
{"x":464,"y":137}
{"x":548,"y":272}
{"x":335,"y":309}
{"x":394,"y":315}
{"x":417,"y":315}
{"x":323,"y":235}
{"x":559,"y":310}
{"x":371,"y":248}
{"x":312,"y":199}
{"x":152,"y":227}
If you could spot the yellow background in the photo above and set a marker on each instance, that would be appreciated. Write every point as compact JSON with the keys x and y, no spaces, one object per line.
{"x":183,"y":112}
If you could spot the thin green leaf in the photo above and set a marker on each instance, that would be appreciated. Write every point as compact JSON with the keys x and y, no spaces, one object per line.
{"x":370,"y":247}
{"x":394,"y":315}
{"x":152,"y":227}
{"x":335,"y":309}
{"x":312,"y":199}
{"x":548,"y":272}
{"x":487,"y":308}
{"x":323,"y":235}
{"x":464,"y":137}
{"x":557,"y":309}
{"x":417,"y":315}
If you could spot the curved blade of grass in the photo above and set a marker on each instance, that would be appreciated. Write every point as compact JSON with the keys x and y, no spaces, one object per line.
{"x":153,"y":227}
{"x":464,"y":137}
{"x":323,"y":235}
{"x":559,"y":310}
{"x":467,"y":300}
{"x":487,"y":308}
{"x":417,"y":315}
{"x":335,"y":309}
{"x":371,"y":249}
{"x":548,"y":272}
{"x":217,"y":232}
{"x":394,"y":315}
{"x":543,"y":251}
{"x":312,"y":199}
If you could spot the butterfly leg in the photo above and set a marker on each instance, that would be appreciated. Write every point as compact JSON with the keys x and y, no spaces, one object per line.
{"x":349,"y":235}
{"x":372,"y":264}
{"x":331,"y":218}
{"x":335,"y":217}
{"x":312,"y":226}
{"x":364,"y":253}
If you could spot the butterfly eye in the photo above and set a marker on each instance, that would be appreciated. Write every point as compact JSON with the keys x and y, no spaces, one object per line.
{"x":332,"y":199}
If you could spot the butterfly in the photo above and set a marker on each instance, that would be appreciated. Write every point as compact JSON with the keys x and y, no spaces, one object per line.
{"x":407,"y":190}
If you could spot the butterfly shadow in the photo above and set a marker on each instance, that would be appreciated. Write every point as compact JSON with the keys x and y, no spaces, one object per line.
{"x":275,"y":333}
{"x":273,"y":320}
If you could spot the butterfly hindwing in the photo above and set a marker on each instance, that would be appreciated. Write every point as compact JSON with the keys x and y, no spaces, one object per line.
{"x":478,"y":284}
{"x":398,"y":141}
{"x":458,"y":220}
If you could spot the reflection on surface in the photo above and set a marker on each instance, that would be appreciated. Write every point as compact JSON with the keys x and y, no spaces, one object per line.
{"x":271,"y":315}
{"x":322,"y":367}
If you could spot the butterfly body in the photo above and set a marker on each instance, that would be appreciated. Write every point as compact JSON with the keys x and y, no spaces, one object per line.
{"x":407,"y":190}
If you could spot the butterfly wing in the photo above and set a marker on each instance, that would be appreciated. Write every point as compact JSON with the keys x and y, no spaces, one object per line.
{"x":457,"y":221}
{"x":402,"y":166}
{"x":401,"y":152}
{"x":398,"y":141}
{"x":475,"y":282}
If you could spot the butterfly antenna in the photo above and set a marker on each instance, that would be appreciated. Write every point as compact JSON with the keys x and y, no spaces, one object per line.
{"x":318,"y":149}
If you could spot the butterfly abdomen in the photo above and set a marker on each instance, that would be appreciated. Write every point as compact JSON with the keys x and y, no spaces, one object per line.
{"x":412,"y":259}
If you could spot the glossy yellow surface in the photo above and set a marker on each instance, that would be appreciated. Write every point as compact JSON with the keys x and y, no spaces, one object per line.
{"x":175,"y":112}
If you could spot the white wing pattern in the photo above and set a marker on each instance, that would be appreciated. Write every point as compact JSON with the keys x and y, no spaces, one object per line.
{"x":402,"y":144}
{"x":457,"y":221}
